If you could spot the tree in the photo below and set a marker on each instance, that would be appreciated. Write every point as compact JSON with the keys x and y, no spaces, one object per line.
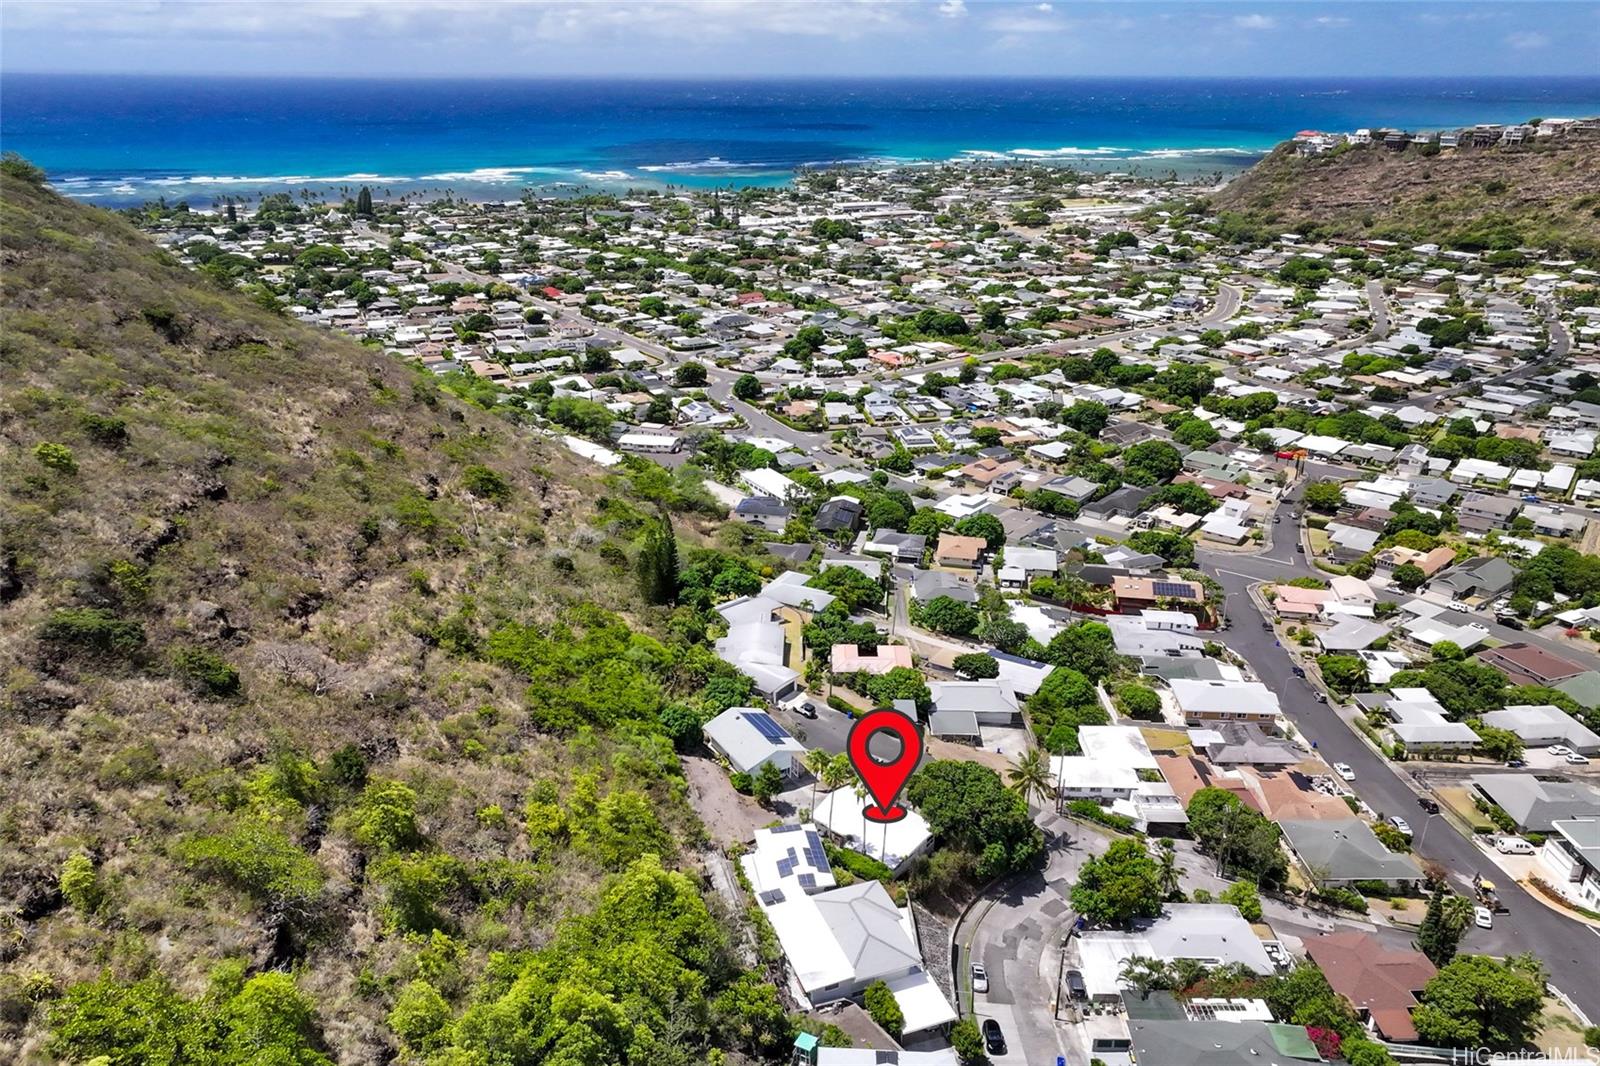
{"x":1087,"y":647}
{"x":967,"y":1041}
{"x":928,"y":522}
{"x":942,"y":614}
{"x":690,"y":376}
{"x":1151,"y":462}
{"x":1239,"y":837}
{"x":80,"y":884}
{"x":986,"y":526}
{"x":1502,"y":745}
{"x":1088,"y":417}
{"x":1343,"y":673}
{"x":747,"y":388}
{"x":1243,"y":894}
{"x":1139,"y":701}
{"x":1119,"y":886}
{"x":968,"y":808}
{"x":884,"y":1008}
{"x":1324,"y":496}
{"x":768,"y":782}
{"x":849,"y":585}
{"x":1186,"y":497}
{"x":976,"y":665}
{"x":1030,"y":776}
{"x":1409,"y":576}
{"x":658,"y":561}
{"x":1475,"y":1001}
{"x":816,"y":763}
{"x":1443,"y":925}
{"x":364,"y":202}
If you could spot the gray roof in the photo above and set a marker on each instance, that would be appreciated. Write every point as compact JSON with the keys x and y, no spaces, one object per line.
{"x":1544,"y":724}
{"x":1352,"y":634}
{"x":953,"y":724}
{"x":746,"y":747}
{"x":1187,"y":1043}
{"x":931,"y":584}
{"x":866,"y":925}
{"x":1169,"y":668}
{"x":1346,"y":849}
{"x":1243,"y":742}
{"x":1535,"y":804}
{"x":1490,"y":573}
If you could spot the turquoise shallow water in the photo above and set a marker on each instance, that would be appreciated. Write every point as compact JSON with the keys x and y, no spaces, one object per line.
{"x":120,"y":140}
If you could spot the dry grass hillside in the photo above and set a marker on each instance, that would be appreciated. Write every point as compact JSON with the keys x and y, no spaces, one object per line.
{"x":1541,"y":195}
{"x":313,"y":746}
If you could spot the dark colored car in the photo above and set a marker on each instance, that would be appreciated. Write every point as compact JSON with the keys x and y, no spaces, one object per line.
{"x":994,"y":1042}
{"x":1299,"y":671}
{"x":1267,"y":626}
{"x":1511,"y":621}
{"x":1431,"y":806}
{"x":1075,"y":985}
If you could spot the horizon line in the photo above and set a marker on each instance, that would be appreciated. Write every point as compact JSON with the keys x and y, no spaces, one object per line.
{"x":723,"y":77}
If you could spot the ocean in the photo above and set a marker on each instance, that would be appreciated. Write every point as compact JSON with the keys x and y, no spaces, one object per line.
{"x":119,"y":140}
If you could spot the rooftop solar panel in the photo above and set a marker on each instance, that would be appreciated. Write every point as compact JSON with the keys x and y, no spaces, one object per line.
{"x":808,"y":880}
{"x":768,"y":728}
{"x":1173,"y":588}
{"x":785,"y":867}
{"x":786,"y":829}
{"x":772,"y":896}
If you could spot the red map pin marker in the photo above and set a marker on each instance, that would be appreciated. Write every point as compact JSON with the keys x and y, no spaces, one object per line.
{"x":884,"y":780}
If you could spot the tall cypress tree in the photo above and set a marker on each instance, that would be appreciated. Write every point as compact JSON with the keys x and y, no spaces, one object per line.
{"x":364,"y":202}
{"x":658,"y":561}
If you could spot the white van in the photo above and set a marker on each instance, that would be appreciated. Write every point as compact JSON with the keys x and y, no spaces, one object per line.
{"x":1513,"y":846}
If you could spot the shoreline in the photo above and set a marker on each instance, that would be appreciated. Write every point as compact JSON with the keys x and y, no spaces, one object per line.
{"x":496,"y":183}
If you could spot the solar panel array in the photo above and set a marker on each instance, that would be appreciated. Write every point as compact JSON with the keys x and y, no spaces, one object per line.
{"x":764,"y":725}
{"x":807,"y":881}
{"x":785,"y":867}
{"x":814,"y":853}
{"x":771,"y":896}
{"x":1173,"y":588}
{"x":795,"y":828}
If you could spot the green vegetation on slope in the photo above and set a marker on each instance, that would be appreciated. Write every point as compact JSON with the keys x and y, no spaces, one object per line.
{"x":1541,"y":195}
{"x":316,"y":745}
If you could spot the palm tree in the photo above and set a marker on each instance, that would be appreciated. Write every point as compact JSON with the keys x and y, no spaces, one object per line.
{"x":816,"y":762}
{"x":1457,"y":914}
{"x":1030,"y":776}
{"x":1167,"y":855}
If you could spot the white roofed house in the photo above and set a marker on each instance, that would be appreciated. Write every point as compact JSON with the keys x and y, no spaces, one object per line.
{"x":758,"y":643}
{"x":840,"y":940}
{"x":895,"y":844}
{"x":749,"y":739}
{"x":1420,"y":723}
{"x":1225,"y":701}
{"x":990,"y":702}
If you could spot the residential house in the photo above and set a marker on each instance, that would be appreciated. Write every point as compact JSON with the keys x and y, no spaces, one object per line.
{"x":1484,"y":577}
{"x":1526,"y":664}
{"x":839,"y":514}
{"x":1225,"y":701}
{"x":1534,"y":804}
{"x":900,"y":547}
{"x":769,"y":514}
{"x":1384,"y":984}
{"x":1141,"y":593}
{"x":749,"y":739}
{"x":851,"y":658}
{"x":1571,"y":853}
{"x":958,"y":551}
{"x":990,"y":702}
{"x":1540,"y":725}
{"x":1480,"y":512}
{"x":1345,"y":851}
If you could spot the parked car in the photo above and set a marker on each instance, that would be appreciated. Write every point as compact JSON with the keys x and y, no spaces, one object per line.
{"x":1295,"y":515}
{"x":1075,"y":986}
{"x":994,"y":1041}
{"x":1344,"y":771}
{"x":1510,"y":621}
{"x":1299,"y":671}
{"x":1267,"y":626}
{"x":1400,"y":824}
{"x":1427,"y":804}
{"x":1458,"y":607}
{"x":1574,"y":759}
{"x":1300,"y":549}
{"x":1513,"y":846}
{"x":1321,"y":698}
{"x":1277,"y":518}
{"x":1559,"y":749}
{"x":806,"y":710}
{"x":1483,"y":917}
{"x":1515,"y":763}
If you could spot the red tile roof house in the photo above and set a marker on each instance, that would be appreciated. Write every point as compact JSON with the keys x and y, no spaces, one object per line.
{"x":1524,"y":664}
{"x":1292,"y":601}
{"x":850,"y":659}
{"x":1381,"y":983}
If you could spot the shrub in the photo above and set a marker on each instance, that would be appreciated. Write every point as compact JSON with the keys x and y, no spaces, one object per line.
{"x":386,"y":818}
{"x":205,"y":672}
{"x":80,"y":885}
{"x":256,"y":858}
{"x":419,"y":1016}
{"x":968,"y":1043}
{"x":864,"y":867}
{"x":881,"y":1004}
{"x":92,"y":631}
{"x":742,"y":782}
{"x":1138,"y":701}
{"x":486,"y":484}
{"x":1243,"y":894}
{"x":105,"y":430}
{"x":56,"y":457}
{"x":1089,"y":810}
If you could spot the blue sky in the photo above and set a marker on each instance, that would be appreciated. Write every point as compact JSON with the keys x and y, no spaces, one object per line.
{"x":734,"y":38}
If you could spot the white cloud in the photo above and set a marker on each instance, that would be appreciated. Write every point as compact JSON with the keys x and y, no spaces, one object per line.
{"x":1527,"y":41}
{"x":953,"y":9}
{"x":1046,"y":8}
{"x":1254,"y":22}
{"x":1330,"y":21}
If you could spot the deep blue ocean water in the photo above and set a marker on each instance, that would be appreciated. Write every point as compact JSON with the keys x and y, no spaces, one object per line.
{"x":123,"y":140}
